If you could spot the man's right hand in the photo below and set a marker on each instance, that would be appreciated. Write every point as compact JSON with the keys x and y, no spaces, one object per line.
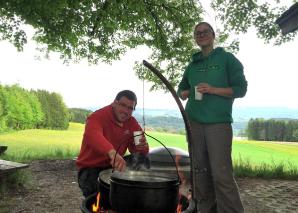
{"x":184,"y":94}
{"x":116,"y":161}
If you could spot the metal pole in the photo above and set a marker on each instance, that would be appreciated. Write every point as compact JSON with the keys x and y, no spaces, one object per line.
{"x":186,"y":122}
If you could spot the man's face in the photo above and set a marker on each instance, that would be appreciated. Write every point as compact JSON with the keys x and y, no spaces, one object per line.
{"x":123,"y":109}
{"x":204,"y":36}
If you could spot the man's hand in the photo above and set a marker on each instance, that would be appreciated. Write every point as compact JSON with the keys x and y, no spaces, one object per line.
{"x":116,"y":161}
{"x":184,"y":94}
{"x":206,"y":88}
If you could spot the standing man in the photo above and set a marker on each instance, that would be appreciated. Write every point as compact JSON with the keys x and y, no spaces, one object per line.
{"x":108,"y":130}
{"x":211,"y":82}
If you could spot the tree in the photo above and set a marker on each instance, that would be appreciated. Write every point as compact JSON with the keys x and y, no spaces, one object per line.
{"x":35,"y":105}
{"x":79,"y":115}
{"x":43,"y":97}
{"x":3,"y":109}
{"x":256,"y":129}
{"x":21,"y":108}
{"x":103,"y":30}
{"x":59,"y":112}
{"x":56,"y":115}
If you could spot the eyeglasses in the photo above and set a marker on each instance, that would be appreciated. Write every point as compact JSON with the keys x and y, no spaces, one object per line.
{"x":203,"y":33}
{"x":123,"y":105}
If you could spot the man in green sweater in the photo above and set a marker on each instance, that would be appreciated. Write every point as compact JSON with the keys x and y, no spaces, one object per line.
{"x":211,"y":82}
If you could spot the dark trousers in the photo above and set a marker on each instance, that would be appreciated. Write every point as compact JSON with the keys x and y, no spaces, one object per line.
{"x":89,"y":184}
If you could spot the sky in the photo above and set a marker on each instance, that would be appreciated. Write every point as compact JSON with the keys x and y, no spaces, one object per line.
{"x":271,"y":72}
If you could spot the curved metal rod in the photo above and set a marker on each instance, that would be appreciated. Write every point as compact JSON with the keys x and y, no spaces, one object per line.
{"x":176,"y":166}
{"x":124,"y":142}
{"x":184,"y":116}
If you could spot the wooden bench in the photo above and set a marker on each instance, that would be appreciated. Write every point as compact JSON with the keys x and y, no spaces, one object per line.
{"x":7,"y":167}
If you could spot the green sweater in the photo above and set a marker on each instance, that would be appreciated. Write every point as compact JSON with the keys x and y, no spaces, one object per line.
{"x":219,"y":69}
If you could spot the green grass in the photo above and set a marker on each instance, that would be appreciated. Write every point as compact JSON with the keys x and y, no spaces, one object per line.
{"x":35,"y":144}
{"x":259,"y":153}
{"x":250,"y":157}
{"x":255,"y":152}
{"x":168,"y":139}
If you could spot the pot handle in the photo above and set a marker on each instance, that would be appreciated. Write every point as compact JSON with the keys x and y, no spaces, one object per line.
{"x":177,"y":171}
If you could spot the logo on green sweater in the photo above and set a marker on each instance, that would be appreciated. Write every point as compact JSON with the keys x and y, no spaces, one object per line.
{"x":211,"y":67}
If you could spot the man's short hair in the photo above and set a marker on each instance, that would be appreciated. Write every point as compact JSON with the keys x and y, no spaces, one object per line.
{"x":128,"y":94}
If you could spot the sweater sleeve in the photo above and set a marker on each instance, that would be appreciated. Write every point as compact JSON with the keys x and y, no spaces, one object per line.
{"x":236,"y":77}
{"x":94,"y":137}
{"x":184,"y":84}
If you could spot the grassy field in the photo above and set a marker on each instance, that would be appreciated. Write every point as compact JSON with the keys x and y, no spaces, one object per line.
{"x":29,"y":145}
{"x":34,"y":144}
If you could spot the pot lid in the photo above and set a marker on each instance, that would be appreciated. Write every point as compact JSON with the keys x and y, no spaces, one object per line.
{"x":161,"y":156}
{"x":144,"y":178}
{"x":104,"y":176}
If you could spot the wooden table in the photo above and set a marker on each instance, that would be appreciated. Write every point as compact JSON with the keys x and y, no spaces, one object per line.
{"x":10,"y":166}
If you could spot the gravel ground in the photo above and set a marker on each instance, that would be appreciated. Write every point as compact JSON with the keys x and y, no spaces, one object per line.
{"x":54,"y":188}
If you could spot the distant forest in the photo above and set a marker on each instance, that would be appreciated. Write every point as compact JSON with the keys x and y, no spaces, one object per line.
{"x":23,"y":109}
{"x":78,"y":115}
{"x":255,"y":129}
{"x":157,"y":123}
{"x":273,"y":130}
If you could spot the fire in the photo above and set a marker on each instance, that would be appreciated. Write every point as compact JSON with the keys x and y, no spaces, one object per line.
{"x":95,"y":206}
{"x":182,"y":178}
{"x":179,"y":207}
{"x":180,"y":173}
{"x":184,"y":193}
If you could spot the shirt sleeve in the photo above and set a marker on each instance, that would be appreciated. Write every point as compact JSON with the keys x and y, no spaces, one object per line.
{"x":236,"y":77}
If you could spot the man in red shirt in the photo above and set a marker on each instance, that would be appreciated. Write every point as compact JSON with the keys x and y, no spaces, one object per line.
{"x":108,"y":130}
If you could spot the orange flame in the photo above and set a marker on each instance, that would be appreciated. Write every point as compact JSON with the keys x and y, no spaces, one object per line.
{"x":182,"y":187}
{"x":180,"y":173}
{"x":182,"y":178}
{"x":179,"y":207}
{"x":95,"y":206}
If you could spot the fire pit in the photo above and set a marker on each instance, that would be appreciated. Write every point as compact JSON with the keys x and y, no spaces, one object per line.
{"x":92,"y":199}
{"x":153,"y":190}
{"x":144,"y":192}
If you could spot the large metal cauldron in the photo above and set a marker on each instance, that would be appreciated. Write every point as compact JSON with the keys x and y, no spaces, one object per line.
{"x":144,"y":192}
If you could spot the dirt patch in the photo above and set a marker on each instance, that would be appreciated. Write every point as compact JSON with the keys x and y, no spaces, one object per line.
{"x":54,"y":188}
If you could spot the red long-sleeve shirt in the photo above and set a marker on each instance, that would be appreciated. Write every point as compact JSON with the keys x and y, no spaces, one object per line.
{"x":102,"y":134}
